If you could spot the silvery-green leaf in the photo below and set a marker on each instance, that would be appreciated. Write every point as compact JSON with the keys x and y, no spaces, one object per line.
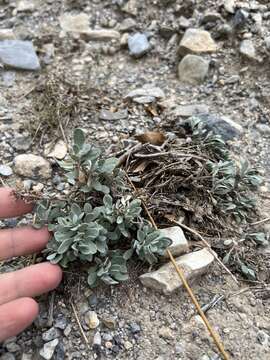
{"x":128,"y":254}
{"x":64,"y":246}
{"x":108,"y":201}
{"x":108,"y":165}
{"x":92,"y":278}
{"x":78,"y":137}
{"x":121,"y":277}
{"x":109,"y":280}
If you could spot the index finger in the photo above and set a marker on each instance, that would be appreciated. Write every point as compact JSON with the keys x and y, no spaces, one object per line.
{"x":10,"y":206}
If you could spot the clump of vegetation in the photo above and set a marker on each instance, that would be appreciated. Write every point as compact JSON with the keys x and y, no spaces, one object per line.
{"x":99,"y":223}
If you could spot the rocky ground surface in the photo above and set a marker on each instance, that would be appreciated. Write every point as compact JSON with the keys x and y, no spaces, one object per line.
{"x":136,"y":65}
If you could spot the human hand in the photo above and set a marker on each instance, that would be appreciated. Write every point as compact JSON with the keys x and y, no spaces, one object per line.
{"x":18,"y":309}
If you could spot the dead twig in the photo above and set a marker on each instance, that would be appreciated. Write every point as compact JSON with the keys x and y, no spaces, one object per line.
{"x":79,"y":324}
{"x":260,"y":221}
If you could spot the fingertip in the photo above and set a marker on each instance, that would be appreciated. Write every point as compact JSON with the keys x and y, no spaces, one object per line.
{"x":52,"y":276}
{"x":32,"y":308}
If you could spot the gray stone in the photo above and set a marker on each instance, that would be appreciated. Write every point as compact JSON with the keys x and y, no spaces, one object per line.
{"x":9,"y":78}
{"x":48,"y":349}
{"x":128,"y":345}
{"x":264,"y":129}
{"x":78,"y":23}
{"x":247,"y":49}
{"x":166,"y":279}
{"x":21,"y":142}
{"x":146,"y":94}
{"x":97,"y":340}
{"x":5,"y":170}
{"x":229,"y":6}
{"x":7,"y":356}
{"x":19,"y":54}
{"x":263,"y":338}
{"x":138,"y":44}
{"x":267,"y":42}
{"x":112,"y":116}
{"x":60,"y":322}
{"x":13,"y":347}
{"x":51,"y":334}
{"x":186,"y":111}
{"x":135,"y":328}
{"x":32,"y":166}
{"x":210,"y":16}
{"x":240,"y":18}
{"x":221,"y":125}
{"x":102,"y":35}
{"x":179,"y":244}
{"x":127,"y":24}
{"x":193,"y":69}
{"x":196,"y":41}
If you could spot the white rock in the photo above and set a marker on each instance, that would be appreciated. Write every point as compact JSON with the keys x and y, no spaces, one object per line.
{"x":32,"y":166}
{"x":5,"y":170}
{"x":75,"y":23}
{"x":196,"y":41}
{"x":26,"y":5}
{"x":48,"y":349}
{"x":247,"y":49}
{"x":229,"y":6}
{"x":193,"y":69}
{"x":131,"y":7}
{"x":59,"y":151}
{"x":179,"y":244}
{"x":166,"y":279}
{"x":91,"y":319}
{"x":145,"y":91}
{"x":102,"y":34}
{"x":7,"y":34}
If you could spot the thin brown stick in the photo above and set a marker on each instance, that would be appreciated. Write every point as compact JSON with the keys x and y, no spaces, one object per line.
{"x":79,"y":324}
{"x":188,"y":288}
{"x":260,"y":221}
{"x":194,"y":232}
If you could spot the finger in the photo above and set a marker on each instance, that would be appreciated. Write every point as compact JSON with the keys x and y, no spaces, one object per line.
{"x":10,"y":206}
{"x":22,"y":241}
{"x":15,"y":316}
{"x":29,"y":282}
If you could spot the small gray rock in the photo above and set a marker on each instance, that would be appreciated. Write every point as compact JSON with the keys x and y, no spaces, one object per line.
{"x":5,"y":170}
{"x":135,"y":328}
{"x":97,"y":340}
{"x":13,"y":347}
{"x":146,"y":94}
{"x":48,"y":349}
{"x":60,"y":322}
{"x":264,"y":129}
{"x":193,"y":69}
{"x":21,"y":142}
{"x":247,"y":49}
{"x":127,"y":24}
{"x":51,"y":334}
{"x":112,"y":116}
{"x":19,"y":54}
{"x":229,"y":6}
{"x":221,"y":125}
{"x":263,"y":338}
{"x":7,"y":356}
{"x":186,"y":111}
{"x":138,"y":44}
{"x":240,"y":18}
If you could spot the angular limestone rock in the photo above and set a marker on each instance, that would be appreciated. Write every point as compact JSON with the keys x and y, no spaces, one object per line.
{"x":78,"y":23}
{"x":193,"y":69}
{"x":32,"y":166}
{"x":166,"y":279}
{"x":179,"y":244}
{"x":196,"y":41}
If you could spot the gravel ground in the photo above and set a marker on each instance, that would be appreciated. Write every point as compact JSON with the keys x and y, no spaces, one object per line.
{"x":135,"y":322}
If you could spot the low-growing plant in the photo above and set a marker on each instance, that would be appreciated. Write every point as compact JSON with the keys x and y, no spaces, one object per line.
{"x":98,"y":222}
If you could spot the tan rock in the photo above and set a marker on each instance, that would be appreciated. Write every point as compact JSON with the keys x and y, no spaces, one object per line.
{"x":196,"y":41}
{"x":193,"y":69}
{"x":166,"y":279}
{"x":179,"y":244}
{"x":74,"y":23}
{"x":32,"y":166}
{"x":7,"y":34}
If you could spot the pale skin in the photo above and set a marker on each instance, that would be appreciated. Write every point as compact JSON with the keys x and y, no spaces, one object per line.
{"x":18,"y":309}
